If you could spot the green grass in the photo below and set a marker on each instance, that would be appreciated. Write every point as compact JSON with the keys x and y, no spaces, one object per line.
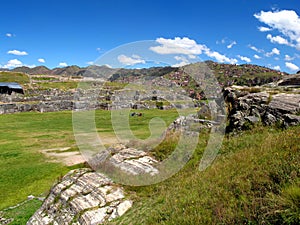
{"x":58,"y":85}
{"x":22,"y":165}
{"x":254,"y":180}
{"x":22,"y":213}
{"x":14,"y":77}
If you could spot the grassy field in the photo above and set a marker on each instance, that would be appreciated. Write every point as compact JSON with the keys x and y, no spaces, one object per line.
{"x":254,"y":180}
{"x":24,"y":170}
{"x":14,"y":77}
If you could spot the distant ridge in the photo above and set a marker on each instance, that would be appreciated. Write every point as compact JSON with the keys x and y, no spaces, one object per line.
{"x":227,"y":74}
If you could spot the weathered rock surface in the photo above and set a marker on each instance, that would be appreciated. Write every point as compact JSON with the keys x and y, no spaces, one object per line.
{"x":291,"y":80}
{"x":82,"y":197}
{"x":128,"y":160}
{"x":246,"y":109}
{"x":87,"y":197}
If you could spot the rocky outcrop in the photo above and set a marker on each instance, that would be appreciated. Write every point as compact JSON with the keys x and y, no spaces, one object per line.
{"x":82,"y":197}
{"x":87,"y":197}
{"x":247,"y":109}
{"x":291,"y":80}
{"x":129,"y":160}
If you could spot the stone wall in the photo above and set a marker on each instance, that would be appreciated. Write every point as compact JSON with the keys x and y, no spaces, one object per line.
{"x":57,"y":100}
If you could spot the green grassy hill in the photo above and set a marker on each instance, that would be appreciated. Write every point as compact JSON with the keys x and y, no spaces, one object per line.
{"x":254,"y":180}
{"x":21,"y":78}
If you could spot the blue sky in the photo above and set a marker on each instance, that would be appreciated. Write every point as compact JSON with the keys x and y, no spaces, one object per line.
{"x":59,"y":33}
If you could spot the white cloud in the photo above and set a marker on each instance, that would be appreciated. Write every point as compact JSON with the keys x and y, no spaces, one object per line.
{"x":220,"y":58}
{"x":8,"y":35}
{"x":186,"y":46}
{"x":274,"y":51}
{"x":183,"y":61}
{"x":178,"y":45}
{"x":288,"y":58}
{"x":264,"y":29}
{"x":287,"y":22}
{"x":13,"y":63}
{"x":278,"y":40}
{"x":231,"y":44}
{"x":180,"y":58}
{"x":129,"y":61}
{"x":192,"y":56}
{"x":90,"y":63}
{"x":41,"y":60}
{"x":256,"y":49}
{"x":180,"y":64}
{"x":257,"y":56}
{"x":291,"y":66}
{"x":17,"y":52}
{"x":244,"y":58}
{"x":62,"y":64}
{"x":277,"y":68}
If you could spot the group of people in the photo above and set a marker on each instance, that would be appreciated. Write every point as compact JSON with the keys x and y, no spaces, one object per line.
{"x":136,"y":114}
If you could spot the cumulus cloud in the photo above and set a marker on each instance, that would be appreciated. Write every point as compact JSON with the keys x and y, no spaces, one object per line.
{"x":178,"y":45}
{"x":182,"y":61}
{"x":62,"y":64}
{"x":41,"y":60}
{"x":287,"y":22}
{"x":274,"y":51}
{"x":220,"y":58}
{"x":13,"y":63}
{"x":278,"y":40}
{"x":186,"y":46}
{"x":130,"y":61}
{"x":244,"y":58}
{"x":231,"y":44}
{"x":264,"y":29}
{"x":8,"y":35}
{"x":291,"y":66}
{"x":288,"y":58}
{"x":257,"y":56}
{"x":256,"y":49}
{"x":277,"y":68}
{"x":17,"y":52}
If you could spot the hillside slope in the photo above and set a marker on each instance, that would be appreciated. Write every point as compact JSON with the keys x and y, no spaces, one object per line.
{"x":254,"y":180}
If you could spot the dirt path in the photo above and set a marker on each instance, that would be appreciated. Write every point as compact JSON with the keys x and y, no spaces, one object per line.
{"x":68,"y":157}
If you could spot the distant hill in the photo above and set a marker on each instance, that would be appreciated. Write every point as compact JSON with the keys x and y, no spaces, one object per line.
{"x":35,"y":70}
{"x":227,"y":74}
{"x":246,"y":74}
